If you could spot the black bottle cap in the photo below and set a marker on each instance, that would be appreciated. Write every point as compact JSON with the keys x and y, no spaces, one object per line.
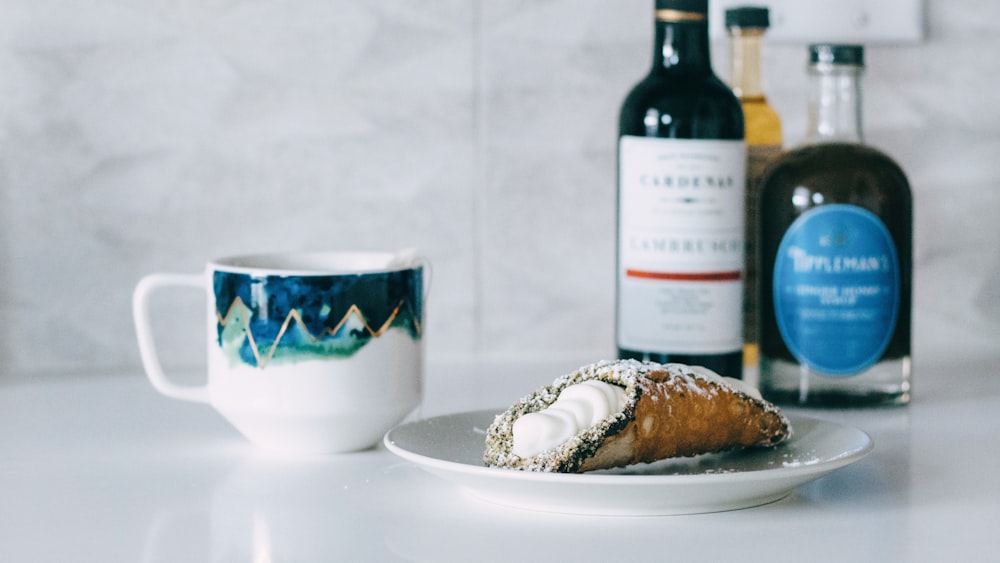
{"x":836,"y":54}
{"x":699,"y":6}
{"x":748,"y":16}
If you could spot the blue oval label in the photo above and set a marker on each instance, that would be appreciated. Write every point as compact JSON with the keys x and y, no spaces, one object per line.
{"x":836,"y":289}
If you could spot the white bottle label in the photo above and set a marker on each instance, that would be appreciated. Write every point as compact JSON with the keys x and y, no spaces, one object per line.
{"x":680,"y":245}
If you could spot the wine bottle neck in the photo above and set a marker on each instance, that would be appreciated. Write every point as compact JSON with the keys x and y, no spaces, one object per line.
{"x":835,"y":103}
{"x":745,"y":61}
{"x":681,"y":44}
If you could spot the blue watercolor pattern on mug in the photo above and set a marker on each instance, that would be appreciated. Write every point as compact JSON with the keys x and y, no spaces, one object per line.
{"x":283,"y":319}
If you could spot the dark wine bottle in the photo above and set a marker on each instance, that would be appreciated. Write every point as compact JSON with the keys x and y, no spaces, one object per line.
{"x":836,"y":255}
{"x":681,"y":185}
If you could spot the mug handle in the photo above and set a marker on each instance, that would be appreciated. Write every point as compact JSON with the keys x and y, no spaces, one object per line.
{"x":144,"y":331}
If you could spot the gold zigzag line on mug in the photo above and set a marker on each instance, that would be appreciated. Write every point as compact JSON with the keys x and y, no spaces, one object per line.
{"x":296,"y":316}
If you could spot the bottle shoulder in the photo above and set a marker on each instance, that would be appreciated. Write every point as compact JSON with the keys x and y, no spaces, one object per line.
{"x":836,"y":155}
{"x":836,"y":168}
{"x":664,"y":85}
{"x":688,"y":105}
{"x":763,"y":124}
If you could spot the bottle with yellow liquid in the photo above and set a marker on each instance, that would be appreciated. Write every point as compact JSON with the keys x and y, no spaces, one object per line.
{"x":746,"y":27}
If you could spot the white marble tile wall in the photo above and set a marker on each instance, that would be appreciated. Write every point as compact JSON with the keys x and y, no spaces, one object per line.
{"x":151,"y":136}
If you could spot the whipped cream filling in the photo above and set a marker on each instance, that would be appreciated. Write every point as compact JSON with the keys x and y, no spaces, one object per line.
{"x":578,"y":407}
{"x":737,"y":384}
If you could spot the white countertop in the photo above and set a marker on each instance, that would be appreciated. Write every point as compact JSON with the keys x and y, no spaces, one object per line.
{"x":104,"y":469}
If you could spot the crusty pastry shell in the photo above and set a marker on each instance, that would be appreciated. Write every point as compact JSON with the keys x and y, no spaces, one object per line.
{"x":671,"y":410}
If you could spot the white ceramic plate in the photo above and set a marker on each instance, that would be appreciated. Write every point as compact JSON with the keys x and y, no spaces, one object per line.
{"x":451,"y":447}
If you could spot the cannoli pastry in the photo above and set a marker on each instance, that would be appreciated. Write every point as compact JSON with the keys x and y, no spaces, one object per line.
{"x":613,"y":414}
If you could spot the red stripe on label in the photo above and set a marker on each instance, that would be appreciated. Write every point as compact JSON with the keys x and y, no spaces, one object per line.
{"x":734,"y":275}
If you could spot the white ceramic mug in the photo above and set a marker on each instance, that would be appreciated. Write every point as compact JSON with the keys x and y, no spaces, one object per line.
{"x":307,"y":352}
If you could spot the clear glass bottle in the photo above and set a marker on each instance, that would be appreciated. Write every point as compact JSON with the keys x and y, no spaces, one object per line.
{"x":681,"y":174}
{"x":836,"y":255}
{"x":746,"y":26}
